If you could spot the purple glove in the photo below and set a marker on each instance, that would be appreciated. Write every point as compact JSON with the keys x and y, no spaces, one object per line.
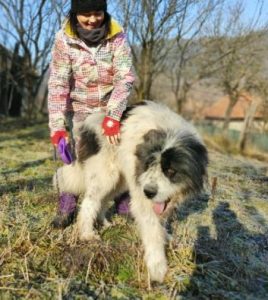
{"x":65,"y":151}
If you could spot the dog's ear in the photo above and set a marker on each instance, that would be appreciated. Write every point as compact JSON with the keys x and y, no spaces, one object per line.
{"x":188,"y":160}
{"x":196,"y":156}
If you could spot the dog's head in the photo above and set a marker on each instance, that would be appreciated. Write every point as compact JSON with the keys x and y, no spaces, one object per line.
{"x":169,"y":163}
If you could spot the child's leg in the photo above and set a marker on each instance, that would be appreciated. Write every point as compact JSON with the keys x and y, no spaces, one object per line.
{"x":68,"y":202}
{"x":66,"y":210}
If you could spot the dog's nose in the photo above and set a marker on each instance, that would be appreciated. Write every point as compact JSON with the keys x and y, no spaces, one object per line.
{"x":150,"y":191}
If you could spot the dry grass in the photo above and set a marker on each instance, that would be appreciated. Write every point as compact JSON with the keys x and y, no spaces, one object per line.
{"x":219,"y":248}
{"x":225,"y":145}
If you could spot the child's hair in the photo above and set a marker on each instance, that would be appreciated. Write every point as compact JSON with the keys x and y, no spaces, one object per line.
{"x":73,"y":22}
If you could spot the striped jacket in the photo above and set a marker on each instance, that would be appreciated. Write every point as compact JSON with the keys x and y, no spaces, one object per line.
{"x":84,"y":80}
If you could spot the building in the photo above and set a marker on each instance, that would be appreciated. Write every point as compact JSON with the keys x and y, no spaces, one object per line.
{"x":216,"y":113}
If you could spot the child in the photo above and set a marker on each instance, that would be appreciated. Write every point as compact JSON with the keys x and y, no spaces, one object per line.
{"x":91,"y":71}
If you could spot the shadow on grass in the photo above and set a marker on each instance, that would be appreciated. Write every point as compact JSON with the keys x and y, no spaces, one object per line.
{"x":36,"y":134}
{"x":10,"y":129}
{"x":194,"y":204}
{"x":231,"y":265}
{"x":10,"y":124}
{"x":24,"y":166}
{"x":32,"y":134}
{"x":25,"y":184}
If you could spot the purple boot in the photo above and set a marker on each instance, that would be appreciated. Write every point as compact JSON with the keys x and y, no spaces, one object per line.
{"x":66,"y":211}
{"x":122,"y":203}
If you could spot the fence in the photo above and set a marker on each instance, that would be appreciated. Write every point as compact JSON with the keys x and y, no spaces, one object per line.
{"x":256,"y":139}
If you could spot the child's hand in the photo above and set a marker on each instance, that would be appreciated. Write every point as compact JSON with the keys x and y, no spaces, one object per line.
{"x":57,"y":135}
{"x":111,"y":129}
{"x":60,"y":141}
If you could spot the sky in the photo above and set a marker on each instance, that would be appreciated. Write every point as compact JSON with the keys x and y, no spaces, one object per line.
{"x":250,"y":12}
{"x":250,"y":9}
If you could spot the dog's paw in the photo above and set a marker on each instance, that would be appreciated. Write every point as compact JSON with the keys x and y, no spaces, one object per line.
{"x":157,"y":267}
{"x":88,"y":236}
{"x":106,"y":223}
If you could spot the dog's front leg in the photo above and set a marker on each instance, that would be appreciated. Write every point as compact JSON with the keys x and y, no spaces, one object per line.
{"x":153,"y":238}
{"x":99,"y":188}
{"x":89,"y":210}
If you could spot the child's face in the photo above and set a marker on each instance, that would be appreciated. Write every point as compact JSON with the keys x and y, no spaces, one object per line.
{"x":91,"y":20}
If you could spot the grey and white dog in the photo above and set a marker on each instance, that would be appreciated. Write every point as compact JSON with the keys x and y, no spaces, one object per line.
{"x":160,"y":160}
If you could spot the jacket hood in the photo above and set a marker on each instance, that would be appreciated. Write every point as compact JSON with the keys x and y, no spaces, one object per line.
{"x":114,"y":30}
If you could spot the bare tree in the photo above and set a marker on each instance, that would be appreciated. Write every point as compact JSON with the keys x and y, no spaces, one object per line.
{"x":183,"y":70}
{"x":163,"y":36}
{"x":263,"y":90}
{"x":249,"y":118}
{"x":233,"y":53}
{"x":27,"y":32}
{"x":151,"y":25}
{"x":259,"y":103}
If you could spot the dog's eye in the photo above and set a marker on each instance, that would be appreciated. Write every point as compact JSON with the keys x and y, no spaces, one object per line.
{"x":171,"y":172}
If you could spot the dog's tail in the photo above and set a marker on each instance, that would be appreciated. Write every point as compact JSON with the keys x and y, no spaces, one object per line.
{"x":69,"y":179}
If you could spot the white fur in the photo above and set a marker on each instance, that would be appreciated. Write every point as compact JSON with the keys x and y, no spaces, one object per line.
{"x":101,"y":176}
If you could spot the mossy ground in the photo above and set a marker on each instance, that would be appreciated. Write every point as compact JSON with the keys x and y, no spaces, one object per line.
{"x":219,"y":248}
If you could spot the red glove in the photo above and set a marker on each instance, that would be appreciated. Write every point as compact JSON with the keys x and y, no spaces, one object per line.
{"x":110,"y":126}
{"x":55,"y":138}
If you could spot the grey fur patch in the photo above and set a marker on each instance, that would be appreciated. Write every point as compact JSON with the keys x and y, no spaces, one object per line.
{"x":88,"y":145}
{"x":146,"y":152}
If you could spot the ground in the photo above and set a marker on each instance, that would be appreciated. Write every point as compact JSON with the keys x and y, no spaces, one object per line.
{"x":219,"y":248}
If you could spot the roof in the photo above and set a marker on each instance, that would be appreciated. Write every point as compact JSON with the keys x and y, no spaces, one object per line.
{"x":218,"y":109}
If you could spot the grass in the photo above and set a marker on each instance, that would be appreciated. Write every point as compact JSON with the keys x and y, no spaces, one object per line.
{"x":219,"y":248}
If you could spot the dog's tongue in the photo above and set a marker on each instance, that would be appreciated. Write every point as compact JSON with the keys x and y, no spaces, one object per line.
{"x":159,"y":207}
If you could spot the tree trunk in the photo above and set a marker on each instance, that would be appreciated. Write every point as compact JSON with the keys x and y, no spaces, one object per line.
{"x":4,"y":93}
{"x":16,"y":85}
{"x":43,"y":109}
{"x":243,"y":139}
{"x":228,"y":112}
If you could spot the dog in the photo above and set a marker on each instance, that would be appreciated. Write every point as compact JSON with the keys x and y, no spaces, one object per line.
{"x":161,"y":160}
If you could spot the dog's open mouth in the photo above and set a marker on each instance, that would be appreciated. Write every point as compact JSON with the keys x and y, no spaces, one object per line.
{"x":159,"y":207}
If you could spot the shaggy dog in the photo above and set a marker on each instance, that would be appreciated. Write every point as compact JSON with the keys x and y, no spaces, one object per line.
{"x":160,"y":160}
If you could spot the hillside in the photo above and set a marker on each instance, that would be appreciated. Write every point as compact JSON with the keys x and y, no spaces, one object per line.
{"x":219,"y":248}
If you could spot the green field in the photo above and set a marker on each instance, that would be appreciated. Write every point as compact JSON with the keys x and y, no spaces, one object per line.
{"x":219,"y":248}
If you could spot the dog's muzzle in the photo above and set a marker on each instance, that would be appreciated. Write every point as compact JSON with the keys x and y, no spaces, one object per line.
{"x":150,"y":192}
